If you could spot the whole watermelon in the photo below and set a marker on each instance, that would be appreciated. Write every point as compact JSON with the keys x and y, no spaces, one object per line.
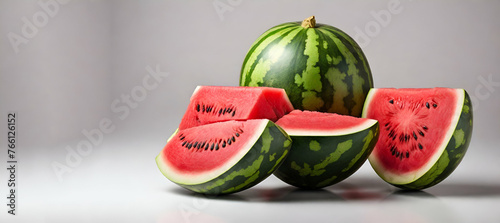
{"x":320,"y":67}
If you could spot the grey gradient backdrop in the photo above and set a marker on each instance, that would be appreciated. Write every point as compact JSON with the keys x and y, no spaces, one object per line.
{"x":89,"y":54}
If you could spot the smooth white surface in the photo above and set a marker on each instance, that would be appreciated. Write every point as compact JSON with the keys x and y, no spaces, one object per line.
{"x":120,"y":181}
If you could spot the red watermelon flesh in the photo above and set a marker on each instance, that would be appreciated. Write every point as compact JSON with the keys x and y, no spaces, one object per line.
{"x":415,"y":127}
{"x":204,"y":152}
{"x":211,"y":104}
{"x":314,"y":123}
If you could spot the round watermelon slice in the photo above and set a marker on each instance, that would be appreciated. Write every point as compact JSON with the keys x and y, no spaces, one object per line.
{"x":224,"y":157}
{"x":327,"y":148}
{"x":424,"y":134}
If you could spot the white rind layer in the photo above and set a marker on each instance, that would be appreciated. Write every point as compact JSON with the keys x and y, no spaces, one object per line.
{"x":368,"y":123}
{"x":179,"y":177}
{"x":402,"y":179}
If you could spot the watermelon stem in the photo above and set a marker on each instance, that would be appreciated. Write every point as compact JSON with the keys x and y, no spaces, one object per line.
{"x":309,"y":22}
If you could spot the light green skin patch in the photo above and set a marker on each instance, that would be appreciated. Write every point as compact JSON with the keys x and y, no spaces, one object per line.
{"x":310,"y":79}
{"x":321,"y":69}
{"x":451,"y":156}
{"x":271,"y":157}
{"x":259,"y":162}
{"x":336,"y":78}
{"x":314,"y":145}
{"x":320,"y":161}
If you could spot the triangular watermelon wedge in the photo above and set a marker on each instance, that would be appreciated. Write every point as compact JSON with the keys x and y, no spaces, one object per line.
{"x":210,"y":104}
{"x":424,"y":134}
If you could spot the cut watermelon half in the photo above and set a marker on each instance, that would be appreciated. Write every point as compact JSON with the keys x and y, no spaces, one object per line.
{"x":224,"y":157}
{"x":424,"y":134}
{"x":327,"y":148}
{"x":211,"y":104}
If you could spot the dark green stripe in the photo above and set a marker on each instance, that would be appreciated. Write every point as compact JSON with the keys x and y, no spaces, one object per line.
{"x":261,"y":39}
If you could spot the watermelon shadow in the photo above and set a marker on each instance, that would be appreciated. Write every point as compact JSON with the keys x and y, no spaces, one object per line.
{"x":362,"y":189}
{"x":184,"y":192}
{"x":400,"y":195}
{"x":465,"y":190}
{"x":305,"y":195}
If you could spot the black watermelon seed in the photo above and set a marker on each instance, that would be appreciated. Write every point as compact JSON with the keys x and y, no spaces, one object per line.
{"x":415,"y":136}
{"x":407,"y":154}
{"x":233,"y":139}
{"x":427,"y":105}
{"x":212,"y":147}
{"x":184,"y":143}
{"x":424,"y":127}
{"x":217,"y":146}
{"x":189,"y":145}
{"x":224,"y":111}
{"x":234,"y":112}
{"x":397,"y":153}
{"x":203,"y":144}
{"x":206,"y":147}
{"x":195,"y":144}
{"x":183,"y":137}
{"x":199,"y":146}
{"x":229,"y":141}
{"x":420,"y":146}
{"x":391,"y":101}
{"x":223,"y":144}
{"x":421,"y":133}
{"x":203,"y":108}
{"x":393,"y":152}
{"x":198,"y":107}
{"x":237,"y":134}
{"x":220,"y":111}
{"x":393,"y":138}
{"x":386,"y":124}
{"x":434,"y":105}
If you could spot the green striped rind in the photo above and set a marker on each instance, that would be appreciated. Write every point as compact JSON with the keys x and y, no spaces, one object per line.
{"x":262,"y":159}
{"x":320,"y":161}
{"x":321,"y":68}
{"x":452,"y":155}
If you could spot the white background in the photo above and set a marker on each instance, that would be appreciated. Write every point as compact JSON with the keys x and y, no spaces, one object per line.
{"x":79,"y":58}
